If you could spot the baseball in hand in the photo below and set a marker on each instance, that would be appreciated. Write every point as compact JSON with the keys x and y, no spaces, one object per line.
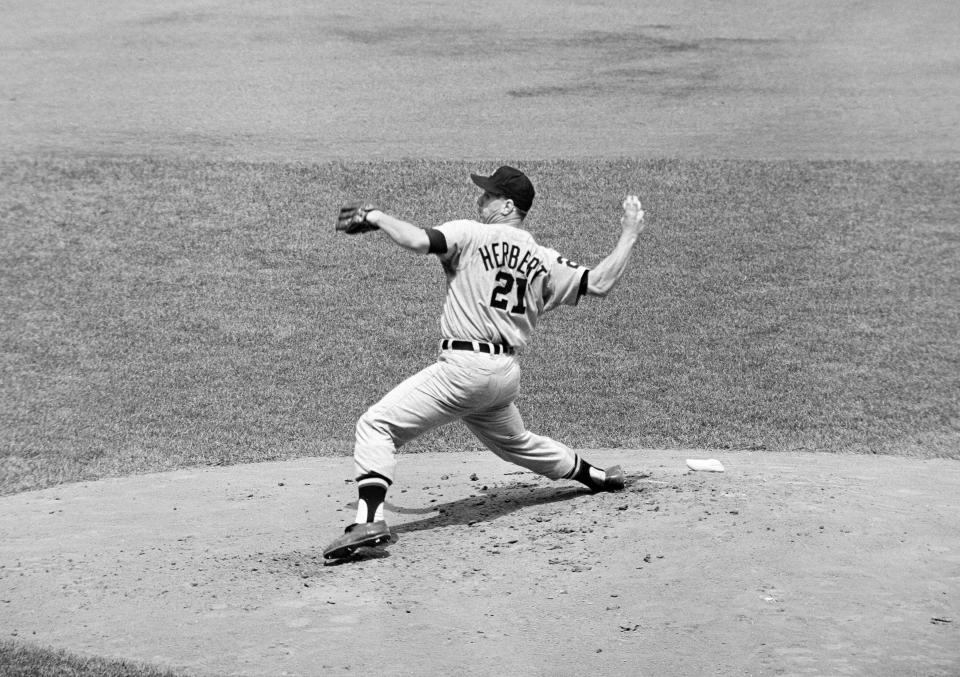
{"x":631,"y":209}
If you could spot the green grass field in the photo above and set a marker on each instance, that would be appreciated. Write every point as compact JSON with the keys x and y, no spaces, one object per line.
{"x":163,"y":314}
{"x":19,"y":659}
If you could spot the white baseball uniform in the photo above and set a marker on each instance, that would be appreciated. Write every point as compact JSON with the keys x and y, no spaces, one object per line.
{"x":499,"y":282}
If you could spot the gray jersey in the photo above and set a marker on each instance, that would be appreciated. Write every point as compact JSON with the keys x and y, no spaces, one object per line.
{"x":499,"y":282}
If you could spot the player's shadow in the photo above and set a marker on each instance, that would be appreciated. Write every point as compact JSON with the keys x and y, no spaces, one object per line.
{"x":488,"y":505}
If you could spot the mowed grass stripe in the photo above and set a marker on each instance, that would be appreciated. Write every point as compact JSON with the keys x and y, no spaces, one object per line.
{"x":25,"y":659}
{"x":161,"y":313}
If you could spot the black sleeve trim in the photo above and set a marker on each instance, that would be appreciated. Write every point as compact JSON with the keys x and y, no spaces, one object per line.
{"x":438,"y":243}
{"x":584,"y":283}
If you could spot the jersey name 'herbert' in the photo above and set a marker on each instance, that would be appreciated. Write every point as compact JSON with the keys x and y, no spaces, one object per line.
{"x":506,"y":255}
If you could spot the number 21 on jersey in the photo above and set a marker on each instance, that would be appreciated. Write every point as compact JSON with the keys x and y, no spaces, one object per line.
{"x":502,"y":296}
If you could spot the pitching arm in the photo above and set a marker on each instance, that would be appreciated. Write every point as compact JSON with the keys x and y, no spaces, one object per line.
{"x":605,"y":275}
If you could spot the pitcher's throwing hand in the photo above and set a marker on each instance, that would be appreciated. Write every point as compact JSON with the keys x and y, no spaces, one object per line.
{"x":632,"y":213}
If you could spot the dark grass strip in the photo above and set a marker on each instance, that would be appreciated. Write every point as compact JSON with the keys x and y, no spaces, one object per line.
{"x":22,"y":659}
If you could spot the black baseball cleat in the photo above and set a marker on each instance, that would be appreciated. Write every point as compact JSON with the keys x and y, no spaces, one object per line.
{"x":614,"y":479}
{"x":366,"y":534}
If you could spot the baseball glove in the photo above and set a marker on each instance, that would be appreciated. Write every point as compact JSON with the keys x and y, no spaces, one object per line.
{"x":353,"y":218}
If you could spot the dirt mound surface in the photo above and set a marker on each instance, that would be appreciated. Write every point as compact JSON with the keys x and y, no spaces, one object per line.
{"x":782,"y":564}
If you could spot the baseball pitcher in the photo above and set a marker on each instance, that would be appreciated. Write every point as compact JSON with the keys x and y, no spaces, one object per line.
{"x":499,"y":282}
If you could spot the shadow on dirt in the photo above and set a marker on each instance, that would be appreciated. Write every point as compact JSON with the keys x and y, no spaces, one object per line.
{"x":491,"y":504}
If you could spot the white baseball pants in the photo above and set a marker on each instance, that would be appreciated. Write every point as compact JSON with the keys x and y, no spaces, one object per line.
{"x":478,"y":388}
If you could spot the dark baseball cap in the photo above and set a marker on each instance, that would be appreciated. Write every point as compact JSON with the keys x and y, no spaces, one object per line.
{"x":510,"y":183}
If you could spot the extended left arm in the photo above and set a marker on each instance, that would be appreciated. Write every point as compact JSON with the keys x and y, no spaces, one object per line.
{"x":404,"y":234}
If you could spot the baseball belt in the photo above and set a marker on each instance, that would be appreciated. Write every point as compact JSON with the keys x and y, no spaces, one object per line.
{"x":476,"y":346}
